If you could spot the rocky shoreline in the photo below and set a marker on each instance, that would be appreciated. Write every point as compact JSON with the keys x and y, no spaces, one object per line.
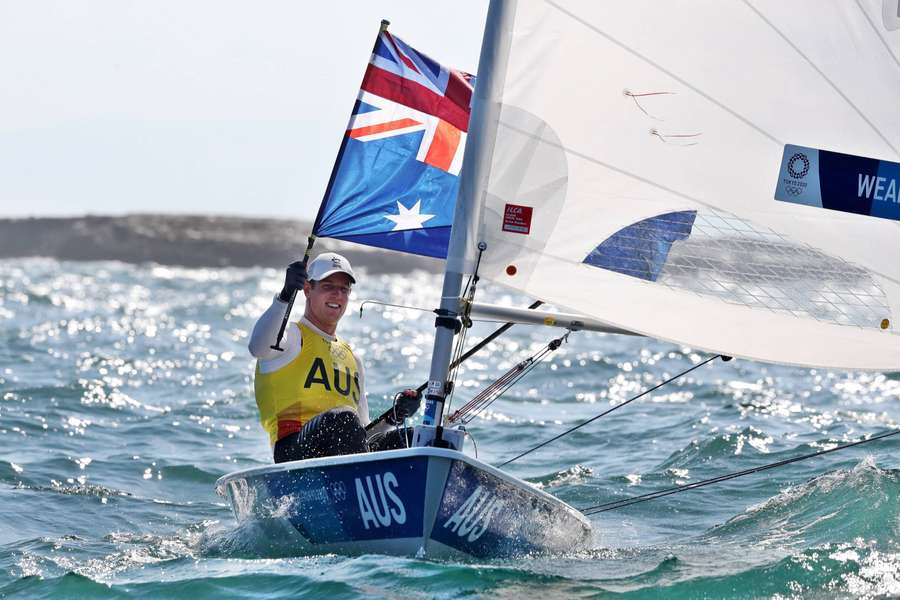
{"x":186,"y":240}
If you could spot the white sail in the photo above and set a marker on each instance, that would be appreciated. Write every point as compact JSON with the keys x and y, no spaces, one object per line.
{"x":663,"y":126}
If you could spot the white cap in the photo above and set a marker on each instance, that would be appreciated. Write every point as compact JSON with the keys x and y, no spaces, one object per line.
{"x":329,"y":263}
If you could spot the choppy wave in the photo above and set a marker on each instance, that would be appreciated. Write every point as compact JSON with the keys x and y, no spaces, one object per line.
{"x":842,"y":505}
{"x":571,"y":476}
{"x":125,"y":392}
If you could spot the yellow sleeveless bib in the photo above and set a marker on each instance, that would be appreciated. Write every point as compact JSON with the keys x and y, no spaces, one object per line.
{"x":323,"y":376}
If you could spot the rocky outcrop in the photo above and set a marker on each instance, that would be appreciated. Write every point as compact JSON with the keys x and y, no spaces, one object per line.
{"x":187,"y":240}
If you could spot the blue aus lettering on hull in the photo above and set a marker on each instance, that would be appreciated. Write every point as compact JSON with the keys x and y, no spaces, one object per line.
{"x":357,"y":501}
{"x":484,"y":516}
{"x":842,"y":182}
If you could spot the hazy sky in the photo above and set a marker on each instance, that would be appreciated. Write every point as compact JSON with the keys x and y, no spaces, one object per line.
{"x":200,"y":106}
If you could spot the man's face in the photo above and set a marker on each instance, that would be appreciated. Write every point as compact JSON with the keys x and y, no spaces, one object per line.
{"x":326,"y":300}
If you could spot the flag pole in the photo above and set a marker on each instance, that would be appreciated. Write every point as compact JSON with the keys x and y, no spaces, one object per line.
{"x":311,"y":240}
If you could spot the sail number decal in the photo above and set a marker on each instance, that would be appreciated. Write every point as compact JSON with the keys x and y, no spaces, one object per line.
{"x":842,"y":182}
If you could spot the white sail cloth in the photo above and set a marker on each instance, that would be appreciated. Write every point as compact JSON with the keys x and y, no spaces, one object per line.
{"x":615,"y":123}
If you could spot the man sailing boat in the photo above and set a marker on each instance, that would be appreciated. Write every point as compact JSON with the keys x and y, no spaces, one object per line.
{"x":393,"y":186}
{"x":311,"y":393}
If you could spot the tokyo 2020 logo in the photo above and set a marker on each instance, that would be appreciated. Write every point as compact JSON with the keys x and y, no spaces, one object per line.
{"x":798,"y":166}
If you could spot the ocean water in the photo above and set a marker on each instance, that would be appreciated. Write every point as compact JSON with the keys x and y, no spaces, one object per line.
{"x":125,"y":392}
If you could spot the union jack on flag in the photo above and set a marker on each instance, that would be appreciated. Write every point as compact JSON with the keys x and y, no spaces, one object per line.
{"x":405,"y":91}
{"x":395,"y":180}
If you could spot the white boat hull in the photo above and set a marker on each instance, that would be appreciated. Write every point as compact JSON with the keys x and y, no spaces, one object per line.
{"x":414,"y":502}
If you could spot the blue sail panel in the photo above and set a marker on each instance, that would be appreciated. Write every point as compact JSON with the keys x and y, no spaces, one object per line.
{"x":641,"y":249}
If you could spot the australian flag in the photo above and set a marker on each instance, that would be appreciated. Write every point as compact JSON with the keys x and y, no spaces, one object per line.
{"x":396,"y":176}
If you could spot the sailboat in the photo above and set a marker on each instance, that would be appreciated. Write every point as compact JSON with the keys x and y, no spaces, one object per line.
{"x":722,"y":175}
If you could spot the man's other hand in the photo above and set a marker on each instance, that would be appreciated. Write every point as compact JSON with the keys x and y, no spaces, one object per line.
{"x":406,"y":403}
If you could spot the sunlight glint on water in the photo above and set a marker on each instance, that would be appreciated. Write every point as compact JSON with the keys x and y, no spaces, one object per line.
{"x":125,"y":392}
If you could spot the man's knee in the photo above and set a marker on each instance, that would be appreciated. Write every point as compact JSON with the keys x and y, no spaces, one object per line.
{"x":346,"y":432}
{"x":341,"y":419}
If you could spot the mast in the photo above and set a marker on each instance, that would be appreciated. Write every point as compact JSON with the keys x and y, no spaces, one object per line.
{"x":473,"y":180}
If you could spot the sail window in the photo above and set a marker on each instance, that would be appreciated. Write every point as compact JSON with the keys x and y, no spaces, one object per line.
{"x":714,"y":253}
{"x":640,"y":250}
{"x":743,"y":263}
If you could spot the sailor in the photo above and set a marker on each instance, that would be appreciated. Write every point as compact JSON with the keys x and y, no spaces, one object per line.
{"x":311,"y":394}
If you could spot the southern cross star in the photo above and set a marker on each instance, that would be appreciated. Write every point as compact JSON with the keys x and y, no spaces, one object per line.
{"x":408,"y":218}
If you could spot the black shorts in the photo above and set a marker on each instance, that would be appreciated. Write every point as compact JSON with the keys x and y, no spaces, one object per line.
{"x":330,"y":433}
{"x":336,"y":432}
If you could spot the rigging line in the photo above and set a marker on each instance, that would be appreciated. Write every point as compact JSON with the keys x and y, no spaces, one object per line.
{"x":822,"y":74}
{"x":483,"y":400}
{"x":454,"y":371}
{"x":500,"y":390}
{"x":500,"y":386}
{"x":460,"y":344}
{"x":683,"y":82}
{"x":616,"y":407}
{"x":878,"y":33}
{"x":497,"y":333}
{"x":472,"y":437}
{"x":473,"y":280}
{"x":606,"y":506}
{"x":364,"y":302}
{"x":466,"y":323}
{"x":497,"y":384}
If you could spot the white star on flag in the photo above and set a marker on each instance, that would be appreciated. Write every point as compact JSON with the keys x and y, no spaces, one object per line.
{"x":408,"y":218}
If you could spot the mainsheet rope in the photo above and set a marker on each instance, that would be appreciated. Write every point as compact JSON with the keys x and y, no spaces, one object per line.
{"x":613,"y":505}
{"x":616,"y":407}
